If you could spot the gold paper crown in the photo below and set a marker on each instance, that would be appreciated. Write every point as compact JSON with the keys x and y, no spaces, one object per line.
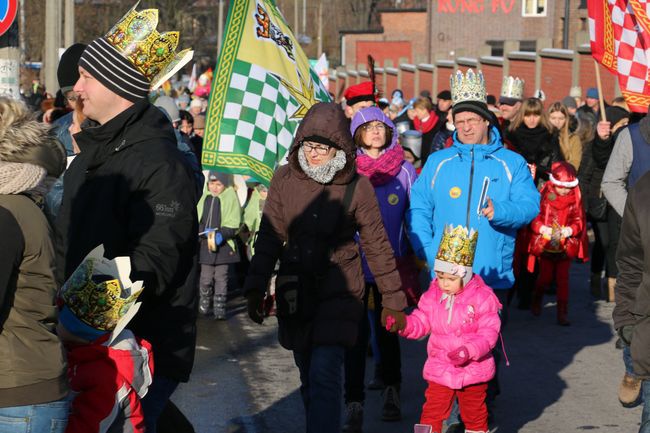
{"x":153,"y":54}
{"x":98,"y":304}
{"x":469,"y":87}
{"x":458,"y":245}
{"x":512,"y":88}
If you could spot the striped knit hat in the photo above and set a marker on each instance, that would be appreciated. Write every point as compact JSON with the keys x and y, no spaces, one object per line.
{"x":114,"y":71}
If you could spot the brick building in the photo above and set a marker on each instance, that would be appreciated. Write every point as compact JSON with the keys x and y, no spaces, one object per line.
{"x":471,"y":28}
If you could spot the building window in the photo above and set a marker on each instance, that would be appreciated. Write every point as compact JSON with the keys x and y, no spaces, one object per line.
{"x":534,"y":8}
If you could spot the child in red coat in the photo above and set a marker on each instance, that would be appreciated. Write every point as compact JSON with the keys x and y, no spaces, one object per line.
{"x":559,"y":236}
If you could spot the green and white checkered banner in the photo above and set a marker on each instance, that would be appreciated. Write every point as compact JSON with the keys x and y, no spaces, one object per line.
{"x":263,"y":87}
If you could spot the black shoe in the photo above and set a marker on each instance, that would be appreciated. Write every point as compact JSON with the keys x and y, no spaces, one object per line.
{"x":392,"y":410}
{"x":353,"y":417}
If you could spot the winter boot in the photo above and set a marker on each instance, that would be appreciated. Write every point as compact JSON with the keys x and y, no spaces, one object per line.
{"x":595,"y":285}
{"x":392,"y":409}
{"x":205,"y":301}
{"x":536,"y":304}
{"x":353,"y":417}
{"x":562,"y":313}
{"x":629,"y":391}
{"x":611,"y":284}
{"x":220,"y":307}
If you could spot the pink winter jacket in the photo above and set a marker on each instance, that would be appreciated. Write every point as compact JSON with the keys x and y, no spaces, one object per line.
{"x":474,"y":323}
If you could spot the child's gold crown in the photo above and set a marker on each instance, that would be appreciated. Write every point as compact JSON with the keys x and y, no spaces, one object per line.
{"x":458,"y":245}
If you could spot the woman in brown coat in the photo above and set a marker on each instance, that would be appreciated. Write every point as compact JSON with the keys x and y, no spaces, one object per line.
{"x":315,"y":206}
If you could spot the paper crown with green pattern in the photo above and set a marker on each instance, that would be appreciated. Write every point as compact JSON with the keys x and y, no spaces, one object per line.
{"x":513,"y":88}
{"x":468,"y":87}
{"x":98,"y":296}
{"x":456,"y":251}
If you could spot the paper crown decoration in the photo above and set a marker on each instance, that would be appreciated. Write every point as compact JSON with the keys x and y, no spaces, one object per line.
{"x":100,"y":295}
{"x":468,"y":87}
{"x":512,"y":88}
{"x":153,"y":54}
{"x":458,"y":245}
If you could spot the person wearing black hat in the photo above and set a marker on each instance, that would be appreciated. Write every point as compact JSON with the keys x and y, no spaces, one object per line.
{"x":131,"y":190}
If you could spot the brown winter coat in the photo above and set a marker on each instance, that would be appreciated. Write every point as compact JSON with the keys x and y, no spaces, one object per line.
{"x":303,"y":218}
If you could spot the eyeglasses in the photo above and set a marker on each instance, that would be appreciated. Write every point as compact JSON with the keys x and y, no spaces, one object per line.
{"x":374,"y":127}
{"x":473,"y":121}
{"x":320,"y":149}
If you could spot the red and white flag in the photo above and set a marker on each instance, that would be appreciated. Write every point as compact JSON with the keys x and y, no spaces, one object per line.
{"x":620,"y":41}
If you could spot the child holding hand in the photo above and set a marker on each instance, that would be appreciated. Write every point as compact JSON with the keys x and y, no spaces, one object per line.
{"x":461,"y":315}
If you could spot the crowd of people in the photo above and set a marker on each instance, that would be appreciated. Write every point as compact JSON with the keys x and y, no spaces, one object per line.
{"x":391,"y":218}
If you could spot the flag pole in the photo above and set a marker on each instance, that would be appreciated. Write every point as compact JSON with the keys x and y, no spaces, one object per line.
{"x":600,"y":93}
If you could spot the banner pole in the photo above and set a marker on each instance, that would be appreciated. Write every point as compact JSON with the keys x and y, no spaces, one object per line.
{"x":603,"y":118}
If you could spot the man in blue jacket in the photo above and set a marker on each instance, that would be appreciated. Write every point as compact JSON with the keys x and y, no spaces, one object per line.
{"x":476,"y":183}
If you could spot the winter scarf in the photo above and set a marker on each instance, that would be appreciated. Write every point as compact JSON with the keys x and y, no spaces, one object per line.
{"x":322,"y":173}
{"x":383,"y":169}
{"x":533,"y":144}
{"x":17,"y":178}
{"x":428,"y":125}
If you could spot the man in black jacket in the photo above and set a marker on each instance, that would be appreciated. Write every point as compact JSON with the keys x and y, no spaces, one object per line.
{"x":131,"y":190}
{"x":632,"y":311}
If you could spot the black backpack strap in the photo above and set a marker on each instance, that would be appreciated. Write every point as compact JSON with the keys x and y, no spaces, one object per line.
{"x":349,"y":193}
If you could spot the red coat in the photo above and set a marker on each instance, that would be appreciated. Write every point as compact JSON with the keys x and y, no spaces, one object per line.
{"x":558,"y":211}
{"x":108,"y":382}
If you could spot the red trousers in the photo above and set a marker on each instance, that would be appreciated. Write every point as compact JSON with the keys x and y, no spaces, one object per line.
{"x":471,"y":401}
{"x":557,"y":270}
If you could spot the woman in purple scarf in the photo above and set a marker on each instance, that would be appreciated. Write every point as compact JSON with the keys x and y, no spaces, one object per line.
{"x":380,"y":158}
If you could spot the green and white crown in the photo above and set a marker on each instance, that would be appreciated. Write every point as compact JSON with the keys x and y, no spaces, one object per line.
{"x":512,"y":88}
{"x":468,"y":87}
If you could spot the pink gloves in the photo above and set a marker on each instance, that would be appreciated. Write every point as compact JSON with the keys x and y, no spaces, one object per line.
{"x":459,"y":356}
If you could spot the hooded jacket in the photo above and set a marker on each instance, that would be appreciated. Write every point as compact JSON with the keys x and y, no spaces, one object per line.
{"x":133,"y":191}
{"x":448,"y":191}
{"x":472,"y":321}
{"x":393,"y":196}
{"x":303,"y":222}
{"x":109,"y":382}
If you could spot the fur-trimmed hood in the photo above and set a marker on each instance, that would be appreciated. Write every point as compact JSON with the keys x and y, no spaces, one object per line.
{"x":25,"y":140}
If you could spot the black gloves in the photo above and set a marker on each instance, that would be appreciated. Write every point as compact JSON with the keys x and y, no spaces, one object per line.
{"x":255,"y":304}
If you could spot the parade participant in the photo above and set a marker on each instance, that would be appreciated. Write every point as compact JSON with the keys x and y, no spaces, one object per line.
{"x":592,"y":102}
{"x":381,"y":159}
{"x":570,"y":144}
{"x":425,"y":121}
{"x":529,"y":134}
{"x":443,"y":138}
{"x":478,"y":183}
{"x":219,"y":225}
{"x":315,"y":207}
{"x":559,"y":237}
{"x":633,"y":297}
{"x":512,"y":94}
{"x":133,"y":191}
{"x":109,"y":368}
{"x":460,"y":313}
{"x":33,"y":386}
{"x":359,"y":96}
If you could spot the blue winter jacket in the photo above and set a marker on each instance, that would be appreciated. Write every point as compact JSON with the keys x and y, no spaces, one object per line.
{"x":447,"y":192}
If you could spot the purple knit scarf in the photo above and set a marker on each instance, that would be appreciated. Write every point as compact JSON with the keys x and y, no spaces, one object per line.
{"x":383,"y":169}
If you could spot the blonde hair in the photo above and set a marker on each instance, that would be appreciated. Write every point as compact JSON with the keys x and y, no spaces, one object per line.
{"x":564,"y":131}
{"x":423,"y":102}
{"x":530,"y":106}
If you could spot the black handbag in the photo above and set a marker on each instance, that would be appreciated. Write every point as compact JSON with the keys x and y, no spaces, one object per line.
{"x":597,"y":208}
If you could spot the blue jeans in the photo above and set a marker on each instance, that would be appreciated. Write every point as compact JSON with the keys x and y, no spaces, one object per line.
{"x":156,"y":399}
{"x":321,"y":377}
{"x":37,"y":418}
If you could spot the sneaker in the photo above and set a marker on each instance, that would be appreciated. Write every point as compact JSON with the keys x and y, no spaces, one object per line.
{"x":392,"y":409}
{"x":353,"y":417}
{"x":629,"y":391}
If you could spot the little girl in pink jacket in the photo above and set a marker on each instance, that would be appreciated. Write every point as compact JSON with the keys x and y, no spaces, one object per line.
{"x":460,"y":313}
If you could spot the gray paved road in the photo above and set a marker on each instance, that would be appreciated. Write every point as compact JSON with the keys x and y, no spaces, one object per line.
{"x":560,"y":379}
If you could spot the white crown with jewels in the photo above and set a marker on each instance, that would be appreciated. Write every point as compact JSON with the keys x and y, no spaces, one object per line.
{"x":512,"y":88}
{"x":468,"y":87}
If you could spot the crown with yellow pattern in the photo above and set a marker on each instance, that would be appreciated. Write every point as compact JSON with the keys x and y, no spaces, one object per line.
{"x":468,"y":87}
{"x":97,"y":296}
{"x":512,"y":88}
{"x":456,"y":251}
{"x":153,"y":54}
